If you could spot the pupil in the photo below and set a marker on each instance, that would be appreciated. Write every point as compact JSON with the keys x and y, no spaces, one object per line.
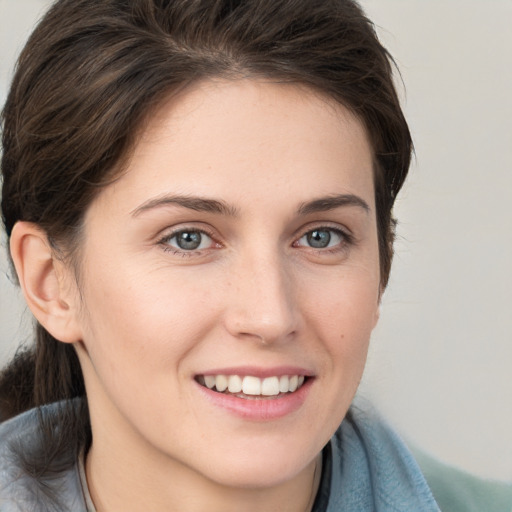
{"x":319,"y":239}
{"x":189,"y":240}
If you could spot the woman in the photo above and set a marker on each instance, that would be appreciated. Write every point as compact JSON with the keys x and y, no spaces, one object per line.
{"x":198,"y":202}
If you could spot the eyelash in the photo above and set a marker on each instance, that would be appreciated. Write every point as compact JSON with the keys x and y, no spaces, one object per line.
{"x":165,"y":240}
{"x":346,"y":240}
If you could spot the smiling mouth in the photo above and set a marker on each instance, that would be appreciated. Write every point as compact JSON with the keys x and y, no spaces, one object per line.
{"x":250,"y":387}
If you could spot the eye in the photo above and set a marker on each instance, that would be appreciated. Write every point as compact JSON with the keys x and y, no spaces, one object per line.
{"x":322,"y":238}
{"x":188,"y":240}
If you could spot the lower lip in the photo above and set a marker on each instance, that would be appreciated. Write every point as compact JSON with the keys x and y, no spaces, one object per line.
{"x":259,"y":409}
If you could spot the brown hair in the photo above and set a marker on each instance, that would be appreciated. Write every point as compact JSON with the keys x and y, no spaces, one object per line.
{"x":92,"y":71}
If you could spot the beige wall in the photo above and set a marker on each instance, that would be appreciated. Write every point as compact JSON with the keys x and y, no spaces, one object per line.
{"x":440,"y":360}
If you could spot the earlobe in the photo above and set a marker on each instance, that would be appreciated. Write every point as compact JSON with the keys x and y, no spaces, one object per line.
{"x":44,"y":281}
{"x":377,"y":309}
{"x":376,"y":316}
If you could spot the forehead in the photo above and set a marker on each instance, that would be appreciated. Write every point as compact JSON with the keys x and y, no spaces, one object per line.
{"x":249,"y":139}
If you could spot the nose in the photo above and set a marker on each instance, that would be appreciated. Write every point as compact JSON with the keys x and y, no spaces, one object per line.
{"x":262,"y":304}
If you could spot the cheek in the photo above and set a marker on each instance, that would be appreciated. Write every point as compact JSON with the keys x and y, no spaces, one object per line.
{"x":344,"y":314}
{"x":138,"y":335}
{"x":142,"y":325}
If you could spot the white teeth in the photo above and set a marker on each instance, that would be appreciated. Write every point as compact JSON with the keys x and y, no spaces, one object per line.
{"x":270,"y":386}
{"x":209,"y":380}
{"x":221,"y":383}
{"x":284,"y":384}
{"x":234,"y":384}
{"x":250,"y":385}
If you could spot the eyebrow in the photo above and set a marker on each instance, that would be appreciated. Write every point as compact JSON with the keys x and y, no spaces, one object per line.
{"x":200,"y":204}
{"x":324,"y":204}
{"x":204,"y":204}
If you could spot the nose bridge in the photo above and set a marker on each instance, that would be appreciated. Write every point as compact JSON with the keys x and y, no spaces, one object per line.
{"x":262,"y":303}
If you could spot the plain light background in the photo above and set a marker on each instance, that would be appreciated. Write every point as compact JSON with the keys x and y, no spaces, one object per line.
{"x":440,"y":361}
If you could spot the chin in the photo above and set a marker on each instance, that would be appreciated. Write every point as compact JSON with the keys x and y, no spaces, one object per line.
{"x":259,"y":465}
{"x":256,"y":475}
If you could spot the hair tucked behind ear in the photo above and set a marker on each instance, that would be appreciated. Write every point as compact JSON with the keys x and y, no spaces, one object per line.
{"x":93,"y":70}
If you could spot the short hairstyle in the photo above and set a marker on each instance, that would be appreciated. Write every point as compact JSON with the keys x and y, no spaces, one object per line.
{"x":94,"y":70}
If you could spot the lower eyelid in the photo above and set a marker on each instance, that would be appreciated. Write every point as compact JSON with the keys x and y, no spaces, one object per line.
{"x":165,"y":240}
{"x":345,"y":237}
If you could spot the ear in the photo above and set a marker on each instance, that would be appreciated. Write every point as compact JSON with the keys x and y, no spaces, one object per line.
{"x":376,"y":316}
{"x":47,"y":284}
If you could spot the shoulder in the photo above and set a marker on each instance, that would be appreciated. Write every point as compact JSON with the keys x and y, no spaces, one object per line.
{"x":22,"y":487}
{"x":372,"y":469}
{"x":402,"y":479}
{"x":15,"y":484}
{"x":456,"y":490}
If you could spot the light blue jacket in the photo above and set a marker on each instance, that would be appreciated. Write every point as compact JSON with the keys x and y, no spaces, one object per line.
{"x":366,"y":468}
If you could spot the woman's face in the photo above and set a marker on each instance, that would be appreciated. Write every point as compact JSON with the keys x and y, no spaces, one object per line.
{"x":239,"y":249}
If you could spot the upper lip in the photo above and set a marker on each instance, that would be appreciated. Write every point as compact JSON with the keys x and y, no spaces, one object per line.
{"x":260,"y":372}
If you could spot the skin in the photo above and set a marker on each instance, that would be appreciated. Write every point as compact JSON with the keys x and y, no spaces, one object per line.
{"x":148,"y":316}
